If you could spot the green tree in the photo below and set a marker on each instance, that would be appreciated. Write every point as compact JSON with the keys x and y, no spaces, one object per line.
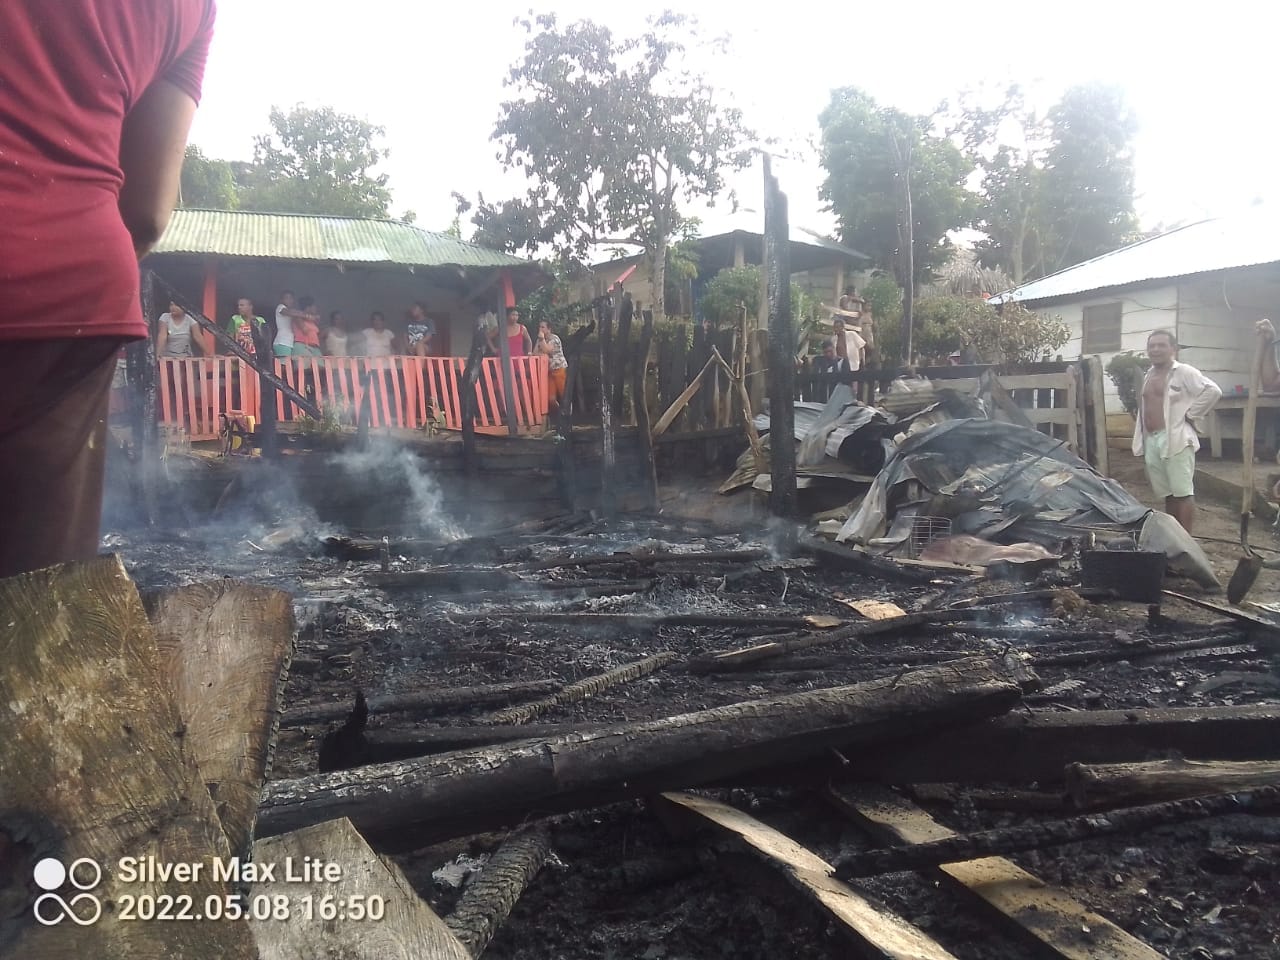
{"x":207,"y":183}
{"x":1055,"y":189}
{"x":1088,"y":175}
{"x":1014,"y":334}
{"x":884,"y":300}
{"x":317,"y":160}
{"x":864,"y":146}
{"x":615,"y":136}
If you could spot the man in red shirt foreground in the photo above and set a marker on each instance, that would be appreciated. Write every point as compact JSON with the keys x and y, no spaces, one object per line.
{"x":96,"y":100}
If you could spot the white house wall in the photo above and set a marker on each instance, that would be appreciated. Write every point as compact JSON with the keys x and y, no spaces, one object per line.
{"x":1141,"y":311}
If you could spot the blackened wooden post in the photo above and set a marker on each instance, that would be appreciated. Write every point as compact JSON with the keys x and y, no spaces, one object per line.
{"x":467,"y":400}
{"x":143,"y":369}
{"x":639,"y":402}
{"x":270,"y":442}
{"x":622,"y":341}
{"x":609,"y":318}
{"x":508,"y":377}
{"x":782,"y":374}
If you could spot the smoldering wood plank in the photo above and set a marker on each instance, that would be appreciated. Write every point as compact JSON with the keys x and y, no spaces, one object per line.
{"x":471,"y":790}
{"x":1059,"y":925}
{"x":408,"y":930}
{"x":225,"y":649}
{"x":95,"y":765}
{"x":878,"y":931}
{"x":1120,"y":784}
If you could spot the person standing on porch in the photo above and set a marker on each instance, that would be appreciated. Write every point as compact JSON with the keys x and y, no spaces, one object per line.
{"x":96,"y":100}
{"x":177,"y":334}
{"x":549,"y":346}
{"x":1173,"y":396}
{"x":848,"y":343}
{"x":518,"y":339}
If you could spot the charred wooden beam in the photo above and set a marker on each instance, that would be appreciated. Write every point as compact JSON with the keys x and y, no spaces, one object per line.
{"x":422,"y":702}
{"x":1039,"y":745}
{"x":1045,"y":915}
{"x":582,"y":689}
{"x":490,"y":897}
{"x":1049,"y":833}
{"x":648,"y":559}
{"x":1116,"y":784}
{"x":461,"y":793}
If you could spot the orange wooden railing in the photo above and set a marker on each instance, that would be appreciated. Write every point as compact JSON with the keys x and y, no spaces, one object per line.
{"x":193,"y":392}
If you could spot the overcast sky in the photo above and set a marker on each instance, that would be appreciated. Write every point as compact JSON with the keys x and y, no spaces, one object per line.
{"x":1201,"y":82}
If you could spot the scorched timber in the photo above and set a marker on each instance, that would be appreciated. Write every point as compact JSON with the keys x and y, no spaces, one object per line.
{"x":1120,"y":784}
{"x":425,"y":702}
{"x":469,"y":791}
{"x":1049,"y":833}
{"x":1038,"y":745}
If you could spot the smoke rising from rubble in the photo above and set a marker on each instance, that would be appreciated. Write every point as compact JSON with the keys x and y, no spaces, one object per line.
{"x":386,"y":464}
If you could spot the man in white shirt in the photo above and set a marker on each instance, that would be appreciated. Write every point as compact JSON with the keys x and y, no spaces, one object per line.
{"x":1173,"y":395}
{"x":848,"y":343}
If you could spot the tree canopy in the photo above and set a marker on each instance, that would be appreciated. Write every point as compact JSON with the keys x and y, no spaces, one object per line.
{"x":1056,"y":188}
{"x":615,"y":135}
{"x":207,"y":183}
{"x":863,"y":147}
{"x":313,"y":160}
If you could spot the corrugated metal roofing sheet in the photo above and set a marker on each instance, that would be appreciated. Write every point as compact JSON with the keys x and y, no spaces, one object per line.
{"x":283,"y":236}
{"x":1241,"y":241}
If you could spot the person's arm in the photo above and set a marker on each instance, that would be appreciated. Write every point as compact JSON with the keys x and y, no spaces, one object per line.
{"x":151,"y":149}
{"x":528,"y":340}
{"x":1207,"y":394}
{"x":162,"y":339}
{"x":1270,"y":370}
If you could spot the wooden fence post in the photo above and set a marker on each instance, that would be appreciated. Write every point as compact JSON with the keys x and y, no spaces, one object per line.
{"x":640,"y":404}
{"x":608,"y":453}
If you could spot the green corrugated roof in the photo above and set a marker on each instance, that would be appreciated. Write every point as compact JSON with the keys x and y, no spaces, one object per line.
{"x":291,"y":236}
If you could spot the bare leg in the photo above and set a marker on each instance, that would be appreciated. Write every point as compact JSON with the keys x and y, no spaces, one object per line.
{"x":1182,"y":509}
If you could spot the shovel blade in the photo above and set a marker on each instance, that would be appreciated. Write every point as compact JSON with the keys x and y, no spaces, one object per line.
{"x":1243,"y":578}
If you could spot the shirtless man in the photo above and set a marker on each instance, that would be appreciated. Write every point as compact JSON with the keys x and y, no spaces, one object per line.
{"x":1173,"y":395}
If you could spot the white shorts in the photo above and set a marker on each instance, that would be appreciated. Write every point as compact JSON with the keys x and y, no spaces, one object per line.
{"x":1169,"y":476}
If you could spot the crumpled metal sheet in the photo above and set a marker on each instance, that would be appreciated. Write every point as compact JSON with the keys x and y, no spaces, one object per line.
{"x":1057,"y":495}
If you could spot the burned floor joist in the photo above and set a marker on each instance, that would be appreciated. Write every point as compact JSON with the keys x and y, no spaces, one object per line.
{"x":465,"y":792}
{"x":423,"y":702}
{"x":1053,"y":923}
{"x":1048,"y":833}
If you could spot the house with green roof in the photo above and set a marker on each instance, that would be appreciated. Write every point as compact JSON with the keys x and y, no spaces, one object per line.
{"x":350,"y":264}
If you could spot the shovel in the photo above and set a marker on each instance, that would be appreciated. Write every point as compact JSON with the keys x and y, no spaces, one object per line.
{"x":1250,"y":565}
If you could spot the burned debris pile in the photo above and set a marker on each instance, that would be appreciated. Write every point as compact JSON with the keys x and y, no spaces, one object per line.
{"x":639,"y":738}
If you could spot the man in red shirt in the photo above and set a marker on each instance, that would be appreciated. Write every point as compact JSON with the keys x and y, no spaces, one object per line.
{"x":96,"y":100}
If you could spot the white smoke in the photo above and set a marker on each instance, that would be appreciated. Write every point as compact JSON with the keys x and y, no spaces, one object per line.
{"x":385,"y":464}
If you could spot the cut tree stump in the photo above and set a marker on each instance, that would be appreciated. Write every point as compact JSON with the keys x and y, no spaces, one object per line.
{"x":225,"y":648}
{"x":465,"y":792}
{"x":95,"y":765}
{"x":877,"y":931}
{"x":1039,"y":911}
{"x":1120,"y":784}
{"x":382,"y":918}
